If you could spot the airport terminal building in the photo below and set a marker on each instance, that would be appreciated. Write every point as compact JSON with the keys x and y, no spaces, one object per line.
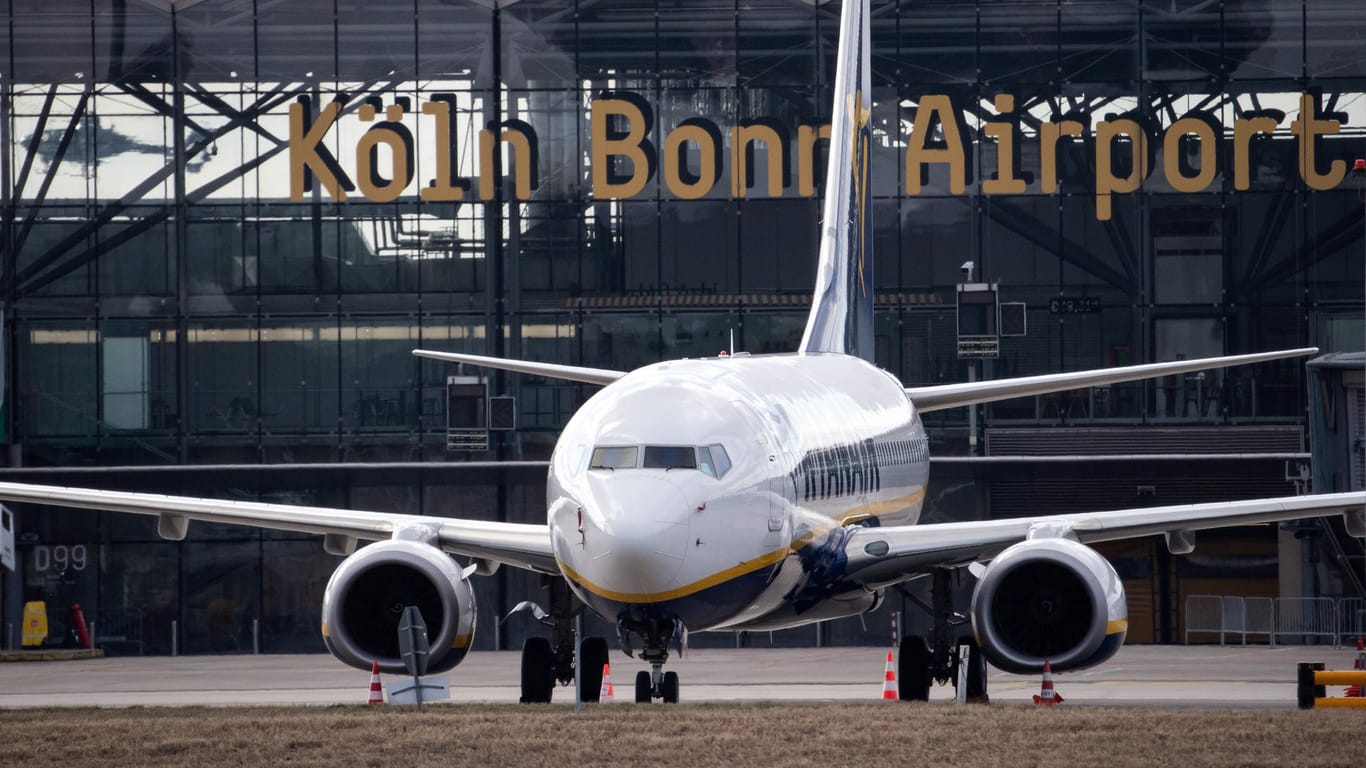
{"x":225,"y":224}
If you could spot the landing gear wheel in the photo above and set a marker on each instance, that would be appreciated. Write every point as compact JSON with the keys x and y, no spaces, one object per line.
{"x":913,"y":669}
{"x":644,"y":688}
{"x":538,"y":671}
{"x":977,"y":674}
{"x":592,"y":655}
{"x":668,"y":688}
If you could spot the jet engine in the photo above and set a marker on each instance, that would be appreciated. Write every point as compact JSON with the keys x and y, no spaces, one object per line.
{"x":1049,"y":599}
{"x":365,"y":598}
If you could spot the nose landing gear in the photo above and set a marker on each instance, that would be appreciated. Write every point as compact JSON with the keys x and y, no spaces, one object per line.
{"x":656,"y":685}
{"x":657,"y":634}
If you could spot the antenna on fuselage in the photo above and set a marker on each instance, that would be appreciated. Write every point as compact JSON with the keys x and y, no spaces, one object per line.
{"x":732,"y":342}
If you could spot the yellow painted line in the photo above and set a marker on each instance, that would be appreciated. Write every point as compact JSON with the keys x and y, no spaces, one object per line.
{"x":325,"y":634}
{"x":1117,"y":626}
{"x":749,"y":566}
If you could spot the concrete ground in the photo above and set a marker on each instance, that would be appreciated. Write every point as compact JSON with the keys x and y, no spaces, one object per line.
{"x":1210,"y":676}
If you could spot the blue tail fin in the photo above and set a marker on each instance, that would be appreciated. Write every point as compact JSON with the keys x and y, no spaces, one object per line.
{"x":841,"y":317}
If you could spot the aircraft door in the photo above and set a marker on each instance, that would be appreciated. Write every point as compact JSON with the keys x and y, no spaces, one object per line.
{"x":777,"y":491}
{"x":773,"y":484}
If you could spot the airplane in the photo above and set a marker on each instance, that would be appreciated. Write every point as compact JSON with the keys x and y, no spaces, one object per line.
{"x":748,"y":492}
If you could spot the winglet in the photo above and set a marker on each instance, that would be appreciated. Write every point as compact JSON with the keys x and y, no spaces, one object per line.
{"x":550,"y":370}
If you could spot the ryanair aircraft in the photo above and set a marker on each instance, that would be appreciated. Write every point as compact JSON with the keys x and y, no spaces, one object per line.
{"x":748,"y":493}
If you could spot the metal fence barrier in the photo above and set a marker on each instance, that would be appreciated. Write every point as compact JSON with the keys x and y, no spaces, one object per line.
{"x":1284,"y":619}
{"x":1351,"y":619}
{"x":1259,"y":618}
{"x":1204,"y":613}
{"x":117,"y":631}
{"x":1306,"y":617}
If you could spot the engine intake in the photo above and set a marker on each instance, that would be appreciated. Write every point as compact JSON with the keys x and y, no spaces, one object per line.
{"x":365,"y":598}
{"x":1049,"y":599}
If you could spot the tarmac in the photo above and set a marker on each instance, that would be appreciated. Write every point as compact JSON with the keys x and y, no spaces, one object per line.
{"x":1140,"y":675}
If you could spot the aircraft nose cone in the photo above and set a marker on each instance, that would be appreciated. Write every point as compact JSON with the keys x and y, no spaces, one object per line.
{"x":641,"y":536}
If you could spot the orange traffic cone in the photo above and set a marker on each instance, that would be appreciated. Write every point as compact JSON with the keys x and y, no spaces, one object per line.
{"x":606,"y":691}
{"x":889,"y":680}
{"x":1047,"y":697}
{"x":376,"y":693}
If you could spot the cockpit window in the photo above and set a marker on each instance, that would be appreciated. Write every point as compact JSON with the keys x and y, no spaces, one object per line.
{"x":719,"y":459}
{"x":670,"y":457}
{"x":614,"y":457}
{"x":704,"y":461}
{"x":713,"y":460}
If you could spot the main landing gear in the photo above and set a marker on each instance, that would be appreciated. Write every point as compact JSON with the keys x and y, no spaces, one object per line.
{"x":657,"y":633}
{"x":936,"y":657}
{"x":547,"y":661}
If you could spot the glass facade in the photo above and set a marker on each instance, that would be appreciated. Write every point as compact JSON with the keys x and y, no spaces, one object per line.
{"x":225,"y":224}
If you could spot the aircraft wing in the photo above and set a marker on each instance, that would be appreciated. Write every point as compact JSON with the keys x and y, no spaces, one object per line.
{"x":519,"y":544}
{"x":881,"y":556}
{"x":939,"y":397}
{"x":551,"y":370}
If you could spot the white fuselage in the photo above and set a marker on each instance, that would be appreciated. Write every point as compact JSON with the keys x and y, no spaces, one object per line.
{"x":814,"y":443}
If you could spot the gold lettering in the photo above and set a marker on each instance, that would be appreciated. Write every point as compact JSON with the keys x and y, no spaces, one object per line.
{"x":1005,"y":182}
{"x":365,"y":150}
{"x":806,"y":157}
{"x":443,"y":188}
{"x":918,"y":154}
{"x":741,"y":137}
{"x":674,"y":157}
{"x":629,"y":146}
{"x":306,"y":155}
{"x":487,"y":180}
{"x":1171,"y":154}
{"x":521,"y":147}
{"x":1106,"y":183}
{"x":1049,"y":133}
{"x":1243,"y":131}
{"x":521,"y":156}
{"x":1308,"y":127}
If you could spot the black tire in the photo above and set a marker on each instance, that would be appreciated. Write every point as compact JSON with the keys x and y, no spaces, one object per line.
{"x":977,"y":674}
{"x":538,"y":671}
{"x":592,"y":655}
{"x":644,"y":687}
{"x":913,"y":670}
{"x":668,"y":688}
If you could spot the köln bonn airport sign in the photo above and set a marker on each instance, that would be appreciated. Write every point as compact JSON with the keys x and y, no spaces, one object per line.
{"x":627,"y":152}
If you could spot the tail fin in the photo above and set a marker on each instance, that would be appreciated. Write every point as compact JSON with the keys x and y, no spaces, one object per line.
{"x":841,"y":317}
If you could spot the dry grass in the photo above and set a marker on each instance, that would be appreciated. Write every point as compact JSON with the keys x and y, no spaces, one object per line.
{"x":693,"y":735}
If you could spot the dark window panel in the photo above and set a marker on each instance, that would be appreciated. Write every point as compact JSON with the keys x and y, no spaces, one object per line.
{"x":218,"y":41}
{"x":1264,"y":40}
{"x":774,"y":44}
{"x":1019,"y":41}
{"x":222,"y":596}
{"x":375,"y":42}
{"x":299,"y":375}
{"x":538,"y":42}
{"x":295,"y":41}
{"x":698,"y":246}
{"x":1336,"y":44}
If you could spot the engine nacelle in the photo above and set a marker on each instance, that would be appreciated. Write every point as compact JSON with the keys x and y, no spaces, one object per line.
{"x":1049,"y":599}
{"x":365,"y":598}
